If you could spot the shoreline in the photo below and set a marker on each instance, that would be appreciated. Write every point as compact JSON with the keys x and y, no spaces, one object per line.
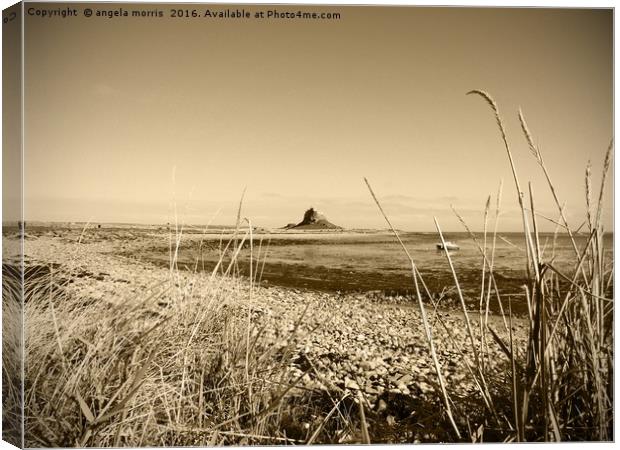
{"x":144,"y":247}
{"x":103,"y":276}
{"x":347,"y":345}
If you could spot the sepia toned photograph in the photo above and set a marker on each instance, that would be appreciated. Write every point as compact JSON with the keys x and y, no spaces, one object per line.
{"x":287,"y":224}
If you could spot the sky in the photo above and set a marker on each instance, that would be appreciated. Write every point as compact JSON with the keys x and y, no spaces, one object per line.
{"x":147,"y":119}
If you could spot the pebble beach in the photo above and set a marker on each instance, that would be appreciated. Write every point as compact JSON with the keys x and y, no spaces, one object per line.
{"x":365,"y":346}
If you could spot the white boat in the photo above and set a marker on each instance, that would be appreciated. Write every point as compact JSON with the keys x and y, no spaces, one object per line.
{"x":449,"y":246}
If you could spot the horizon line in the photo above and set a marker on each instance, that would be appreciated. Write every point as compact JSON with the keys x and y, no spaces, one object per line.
{"x":15,"y":223}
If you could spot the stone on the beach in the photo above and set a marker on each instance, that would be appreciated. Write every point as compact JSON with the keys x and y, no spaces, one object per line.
{"x":351,"y":384}
{"x":405,"y":379}
{"x":425,"y":387}
{"x":381,"y":405}
{"x":369,"y":389}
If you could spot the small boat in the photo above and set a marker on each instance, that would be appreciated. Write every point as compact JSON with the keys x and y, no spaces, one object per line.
{"x":449,"y":246}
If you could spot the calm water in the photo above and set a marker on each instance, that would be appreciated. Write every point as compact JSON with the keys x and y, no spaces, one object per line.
{"x":375,"y":262}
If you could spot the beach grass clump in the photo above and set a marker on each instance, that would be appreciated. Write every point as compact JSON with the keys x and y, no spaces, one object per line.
{"x":562,"y":379}
{"x":172,"y":365}
{"x":12,"y":354}
{"x":556,"y":385}
{"x":149,"y":356}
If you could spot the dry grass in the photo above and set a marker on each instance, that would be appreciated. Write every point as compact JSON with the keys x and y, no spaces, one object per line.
{"x":177,"y":364}
{"x":12,"y":356}
{"x":558,"y":386}
{"x":172,"y":366}
{"x":562,"y":381}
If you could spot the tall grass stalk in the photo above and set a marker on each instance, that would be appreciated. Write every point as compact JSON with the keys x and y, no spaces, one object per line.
{"x":558,"y":382}
{"x":561,"y":389}
{"x":427,"y":328}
